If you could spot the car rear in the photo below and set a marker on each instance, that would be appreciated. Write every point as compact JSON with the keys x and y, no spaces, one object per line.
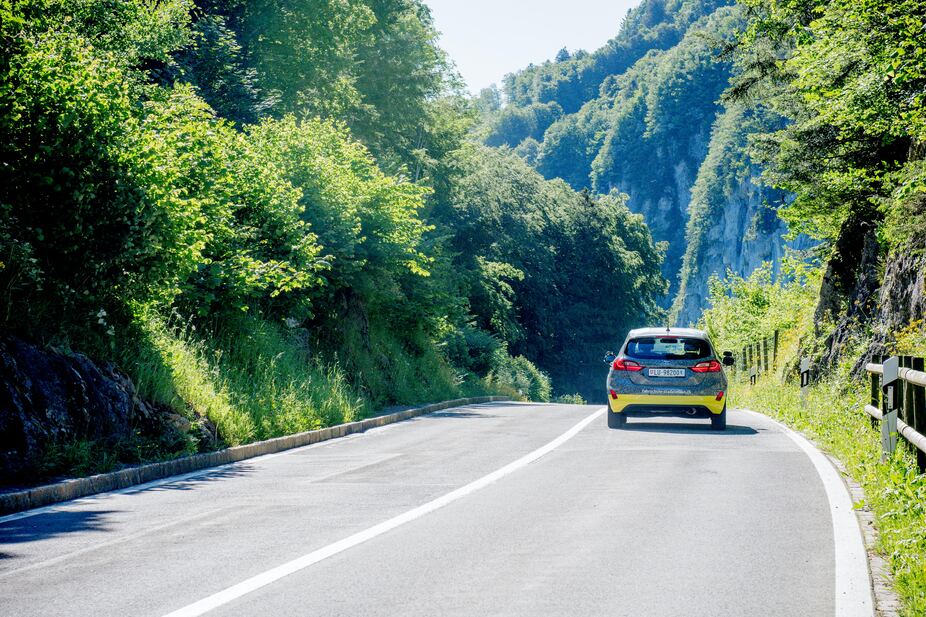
{"x":667,"y":372}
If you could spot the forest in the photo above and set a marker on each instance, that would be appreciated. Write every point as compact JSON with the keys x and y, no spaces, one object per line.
{"x":271,"y":217}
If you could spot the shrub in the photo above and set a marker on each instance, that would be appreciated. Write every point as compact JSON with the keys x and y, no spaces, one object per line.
{"x":91,"y":215}
{"x":518,"y":375}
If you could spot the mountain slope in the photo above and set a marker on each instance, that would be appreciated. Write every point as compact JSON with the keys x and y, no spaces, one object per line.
{"x":647,"y":129}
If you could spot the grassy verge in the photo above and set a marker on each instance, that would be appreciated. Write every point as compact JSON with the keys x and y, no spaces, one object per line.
{"x":833,"y":416}
{"x":257,"y":380}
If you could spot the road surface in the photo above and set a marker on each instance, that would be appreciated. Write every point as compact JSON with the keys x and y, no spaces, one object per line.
{"x":494,"y":509}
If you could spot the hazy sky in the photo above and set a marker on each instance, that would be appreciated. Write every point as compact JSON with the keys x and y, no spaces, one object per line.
{"x":489,"y":38}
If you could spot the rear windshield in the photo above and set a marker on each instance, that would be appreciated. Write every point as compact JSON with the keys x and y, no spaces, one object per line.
{"x":667,"y":348}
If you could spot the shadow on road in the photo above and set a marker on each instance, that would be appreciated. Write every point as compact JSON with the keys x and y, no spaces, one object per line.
{"x":187,"y":484}
{"x":460,"y":414}
{"x":686,"y":428}
{"x":52,"y":524}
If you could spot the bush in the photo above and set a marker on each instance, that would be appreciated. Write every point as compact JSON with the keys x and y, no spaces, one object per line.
{"x":471,"y":348}
{"x":89,"y":220}
{"x":570,"y":399}
{"x":518,"y":376}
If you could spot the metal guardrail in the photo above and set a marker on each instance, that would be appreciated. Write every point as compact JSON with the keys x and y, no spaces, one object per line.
{"x":898,"y":402}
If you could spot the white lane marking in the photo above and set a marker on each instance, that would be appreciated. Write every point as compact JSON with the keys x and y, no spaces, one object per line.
{"x":138,"y":488}
{"x":126,"y":538}
{"x":261,"y":580}
{"x":853,"y":580}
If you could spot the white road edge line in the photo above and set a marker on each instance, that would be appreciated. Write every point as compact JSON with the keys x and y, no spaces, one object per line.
{"x":138,"y":488}
{"x":853,"y":578}
{"x":261,"y":580}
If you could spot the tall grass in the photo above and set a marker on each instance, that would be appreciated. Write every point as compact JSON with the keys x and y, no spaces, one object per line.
{"x":388,"y":372}
{"x":253,"y":380}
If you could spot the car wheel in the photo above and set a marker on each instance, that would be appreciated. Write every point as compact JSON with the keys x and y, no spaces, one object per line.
{"x":719,"y":421}
{"x":616,"y":420}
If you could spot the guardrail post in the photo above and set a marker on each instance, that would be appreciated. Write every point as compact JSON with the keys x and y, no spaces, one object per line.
{"x":889,"y":397}
{"x":875,"y":389}
{"x":904,"y":394}
{"x":918,"y":409}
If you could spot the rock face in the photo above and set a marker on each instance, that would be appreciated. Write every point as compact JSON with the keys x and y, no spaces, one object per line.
{"x":732,"y":222}
{"x":901,"y":298}
{"x":858,"y":304}
{"x":50,"y":398}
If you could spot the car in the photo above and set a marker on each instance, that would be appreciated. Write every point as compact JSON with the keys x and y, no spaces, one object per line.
{"x":668,"y":372}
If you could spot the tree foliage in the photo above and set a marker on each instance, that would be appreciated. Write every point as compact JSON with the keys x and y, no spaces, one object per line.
{"x":298,"y":172}
{"x":850,"y":76}
{"x":554,"y":272}
{"x":745,"y":310}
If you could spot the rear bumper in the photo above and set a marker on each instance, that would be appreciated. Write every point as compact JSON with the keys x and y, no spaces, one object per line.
{"x":654,"y":404}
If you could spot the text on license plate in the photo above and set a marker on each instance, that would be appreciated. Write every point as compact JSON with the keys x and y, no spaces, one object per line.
{"x":666,"y":372}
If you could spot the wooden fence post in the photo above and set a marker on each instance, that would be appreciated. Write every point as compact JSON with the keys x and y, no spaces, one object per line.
{"x":905,"y":393}
{"x":765,"y":354}
{"x":775,"y":351}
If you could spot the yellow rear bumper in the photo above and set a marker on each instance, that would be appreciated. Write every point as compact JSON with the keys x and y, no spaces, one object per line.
{"x":623,"y":400}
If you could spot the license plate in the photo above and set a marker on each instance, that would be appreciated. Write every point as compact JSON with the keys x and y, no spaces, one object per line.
{"x":666,"y":372}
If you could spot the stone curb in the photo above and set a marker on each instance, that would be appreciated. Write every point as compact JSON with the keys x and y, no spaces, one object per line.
{"x":133,"y":476}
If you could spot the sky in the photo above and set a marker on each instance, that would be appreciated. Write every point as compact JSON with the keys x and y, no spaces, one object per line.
{"x":489,"y":38}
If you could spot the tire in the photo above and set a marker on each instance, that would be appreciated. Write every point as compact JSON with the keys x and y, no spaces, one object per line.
{"x":616,"y":420}
{"x":719,"y":421}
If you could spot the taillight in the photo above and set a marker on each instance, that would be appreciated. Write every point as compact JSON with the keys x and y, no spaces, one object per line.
{"x":719,"y":396}
{"x":613,"y":394}
{"x":622,"y":364}
{"x":712,"y":366}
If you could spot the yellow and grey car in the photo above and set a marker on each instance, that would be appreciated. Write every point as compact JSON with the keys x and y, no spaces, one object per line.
{"x":668,"y":372}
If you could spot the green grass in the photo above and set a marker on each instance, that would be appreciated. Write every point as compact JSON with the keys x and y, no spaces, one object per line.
{"x":254,"y":380}
{"x":833,"y":416}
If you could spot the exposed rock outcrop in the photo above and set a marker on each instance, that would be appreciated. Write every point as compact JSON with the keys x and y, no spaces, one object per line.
{"x":848,"y":292}
{"x":49,"y":398}
{"x":732,"y":217}
{"x":901,"y":298}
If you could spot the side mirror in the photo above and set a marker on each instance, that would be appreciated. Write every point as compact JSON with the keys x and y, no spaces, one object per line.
{"x":728,"y":359}
{"x":610,"y":357}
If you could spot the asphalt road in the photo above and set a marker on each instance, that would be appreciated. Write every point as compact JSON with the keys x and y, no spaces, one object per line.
{"x":664,"y":518}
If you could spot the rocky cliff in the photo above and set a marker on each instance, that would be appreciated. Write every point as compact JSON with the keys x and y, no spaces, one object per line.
{"x":55,"y":406}
{"x":732,"y":219}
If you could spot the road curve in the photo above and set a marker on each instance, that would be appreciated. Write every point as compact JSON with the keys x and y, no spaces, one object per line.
{"x":664,"y":518}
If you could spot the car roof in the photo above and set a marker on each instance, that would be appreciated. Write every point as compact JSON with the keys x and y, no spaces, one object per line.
{"x":689,"y":332}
